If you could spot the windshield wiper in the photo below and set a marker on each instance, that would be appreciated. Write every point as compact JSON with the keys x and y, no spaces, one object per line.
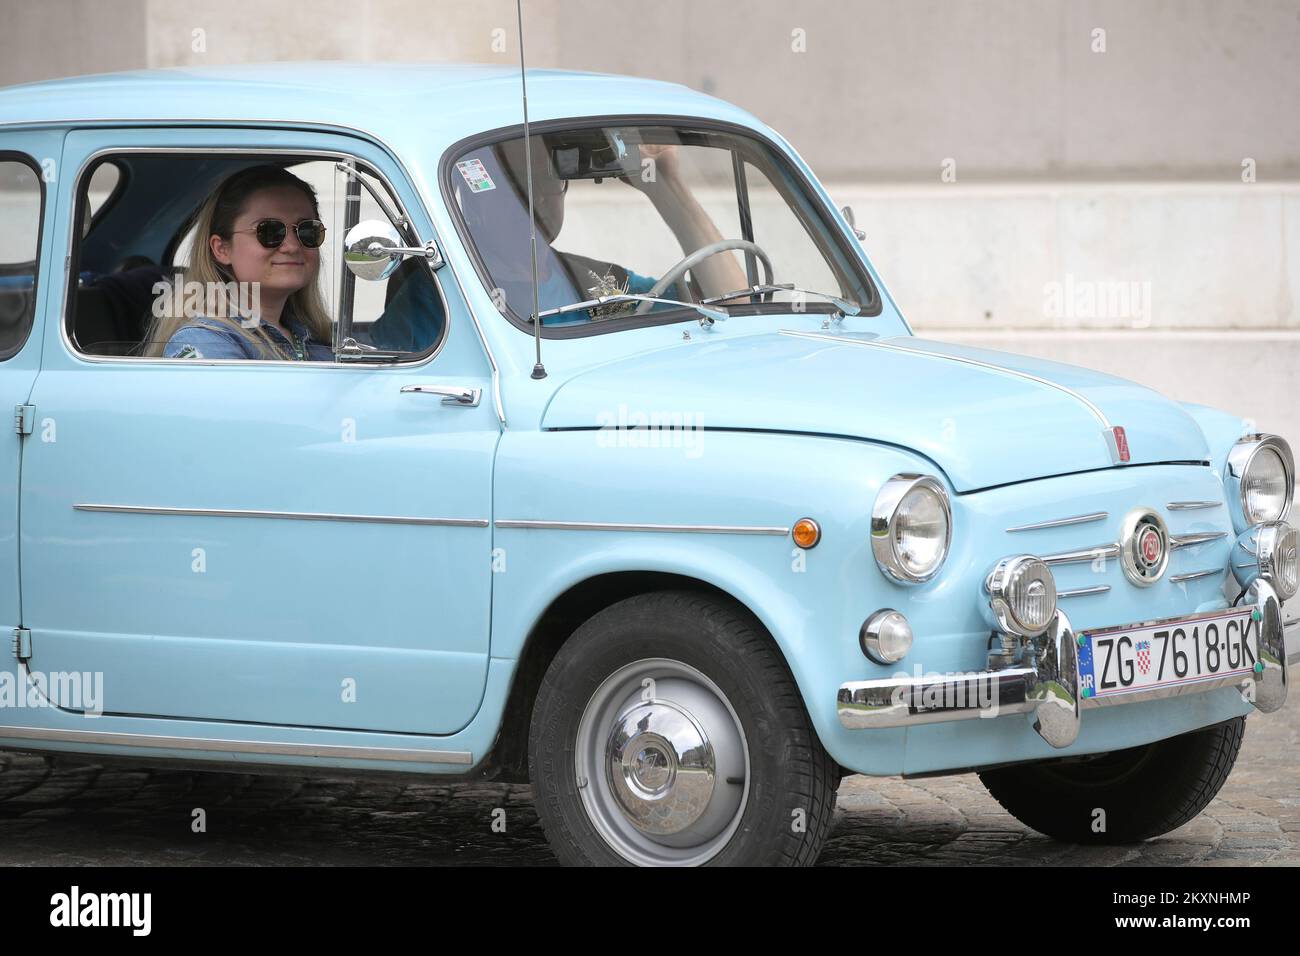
{"x":714,"y":315}
{"x":847,"y":306}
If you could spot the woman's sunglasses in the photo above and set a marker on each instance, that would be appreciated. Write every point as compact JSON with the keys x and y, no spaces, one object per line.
{"x":272,"y":232}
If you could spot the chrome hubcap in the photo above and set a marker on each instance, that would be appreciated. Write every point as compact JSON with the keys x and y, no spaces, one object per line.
{"x":661,"y":768}
{"x":662,"y":764}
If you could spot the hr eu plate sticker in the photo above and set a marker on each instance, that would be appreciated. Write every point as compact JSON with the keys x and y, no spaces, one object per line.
{"x":475,"y":175}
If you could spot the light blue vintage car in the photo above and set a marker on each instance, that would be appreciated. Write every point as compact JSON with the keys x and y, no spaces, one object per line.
{"x":722,"y":533}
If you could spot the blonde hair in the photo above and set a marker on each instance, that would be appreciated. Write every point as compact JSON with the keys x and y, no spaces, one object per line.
{"x":216,"y":217}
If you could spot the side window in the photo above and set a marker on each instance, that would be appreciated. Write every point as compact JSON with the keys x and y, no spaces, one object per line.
{"x":20,"y":232}
{"x":148,"y":284}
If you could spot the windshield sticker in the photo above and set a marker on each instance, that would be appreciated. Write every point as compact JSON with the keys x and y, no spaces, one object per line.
{"x":476,"y":176}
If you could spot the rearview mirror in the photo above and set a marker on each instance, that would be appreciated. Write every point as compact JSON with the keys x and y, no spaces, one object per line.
{"x":594,"y":156}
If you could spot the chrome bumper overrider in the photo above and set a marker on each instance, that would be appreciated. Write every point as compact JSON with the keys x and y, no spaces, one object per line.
{"x":1046,"y":685}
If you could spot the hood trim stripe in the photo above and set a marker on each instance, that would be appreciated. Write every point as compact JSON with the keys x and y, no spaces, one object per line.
{"x":1082,"y":399}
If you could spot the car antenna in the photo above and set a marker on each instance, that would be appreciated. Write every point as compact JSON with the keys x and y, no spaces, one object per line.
{"x":539,"y":370}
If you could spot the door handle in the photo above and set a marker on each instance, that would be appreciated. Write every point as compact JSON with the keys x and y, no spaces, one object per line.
{"x":451,"y":394}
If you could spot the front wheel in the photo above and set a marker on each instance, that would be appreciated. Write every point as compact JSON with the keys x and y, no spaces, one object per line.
{"x":1121,"y":797}
{"x":668,"y":731}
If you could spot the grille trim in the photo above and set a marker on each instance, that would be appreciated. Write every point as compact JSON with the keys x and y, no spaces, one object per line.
{"x":1177,"y":541}
{"x":1189,"y":575}
{"x":1104,"y":551}
{"x":1061,"y":522}
{"x":1080,"y":592}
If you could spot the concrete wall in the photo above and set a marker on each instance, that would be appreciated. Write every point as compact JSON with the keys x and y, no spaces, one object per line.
{"x":873,"y":88}
{"x":1125,"y":199}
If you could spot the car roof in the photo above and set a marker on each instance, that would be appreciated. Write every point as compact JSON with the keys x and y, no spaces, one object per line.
{"x":396,"y":102}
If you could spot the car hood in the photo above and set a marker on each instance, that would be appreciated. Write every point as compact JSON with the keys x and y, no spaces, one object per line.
{"x":985,"y":417}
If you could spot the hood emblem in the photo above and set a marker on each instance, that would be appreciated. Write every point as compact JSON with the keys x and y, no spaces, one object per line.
{"x":1117,"y":444}
{"x":1144,"y":547}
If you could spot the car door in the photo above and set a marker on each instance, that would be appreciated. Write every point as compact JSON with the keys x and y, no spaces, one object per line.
{"x":28,"y":170}
{"x":281,"y":543}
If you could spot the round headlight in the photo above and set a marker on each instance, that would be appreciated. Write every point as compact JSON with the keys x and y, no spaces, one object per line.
{"x":1263,"y":488}
{"x":911,"y":528}
{"x":1261,"y":480}
{"x":1022,"y":595}
{"x":1274,"y":546}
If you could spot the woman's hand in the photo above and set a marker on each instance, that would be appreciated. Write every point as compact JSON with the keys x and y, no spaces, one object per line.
{"x":663,"y":168}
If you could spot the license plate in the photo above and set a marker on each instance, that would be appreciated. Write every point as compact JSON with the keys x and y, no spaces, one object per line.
{"x":1115,"y":661}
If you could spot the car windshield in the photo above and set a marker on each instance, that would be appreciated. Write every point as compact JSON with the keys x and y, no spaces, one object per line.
{"x":675,"y":212}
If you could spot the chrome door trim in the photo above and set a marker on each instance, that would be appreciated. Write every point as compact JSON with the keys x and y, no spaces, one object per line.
{"x":290,"y":515}
{"x":1062,"y":522}
{"x":610,"y":526}
{"x":338,"y":751}
{"x":1092,"y":407}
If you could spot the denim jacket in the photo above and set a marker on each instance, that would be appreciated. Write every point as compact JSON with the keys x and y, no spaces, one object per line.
{"x":205,"y":339}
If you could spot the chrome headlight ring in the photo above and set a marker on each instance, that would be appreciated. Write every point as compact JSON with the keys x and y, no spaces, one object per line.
{"x":884,"y":526}
{"x":1243,"y":455}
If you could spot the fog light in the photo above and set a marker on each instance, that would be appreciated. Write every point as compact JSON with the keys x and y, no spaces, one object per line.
{"x":886,"y":636}
{"x":1269,"y":551}
{"x":1022,"y":595}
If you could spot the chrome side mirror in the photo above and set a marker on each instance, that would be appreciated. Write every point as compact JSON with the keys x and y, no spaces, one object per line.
{"x":372,"y":250}
{"x":847,"y":213}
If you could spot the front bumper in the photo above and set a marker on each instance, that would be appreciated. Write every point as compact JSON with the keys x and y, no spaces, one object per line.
{"x":1046,"y":685}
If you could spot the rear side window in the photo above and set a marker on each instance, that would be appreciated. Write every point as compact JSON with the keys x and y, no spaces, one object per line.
{"x":20,"y":236}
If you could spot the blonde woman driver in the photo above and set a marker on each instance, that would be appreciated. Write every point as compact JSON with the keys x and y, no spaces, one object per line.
{"x":261,"y":226}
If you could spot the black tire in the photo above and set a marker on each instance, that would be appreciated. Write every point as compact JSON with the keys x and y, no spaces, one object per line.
{"x":789,"y":799}
{"x":1144,"y":791}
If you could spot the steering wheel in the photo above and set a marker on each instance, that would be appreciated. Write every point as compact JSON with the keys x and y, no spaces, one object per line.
{"x":670,"y":277}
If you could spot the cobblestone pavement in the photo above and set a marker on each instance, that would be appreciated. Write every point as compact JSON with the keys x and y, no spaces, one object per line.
{"x":61,"y":813}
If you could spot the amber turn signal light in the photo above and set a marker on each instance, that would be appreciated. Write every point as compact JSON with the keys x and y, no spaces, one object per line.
{"x":806,"y":533}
